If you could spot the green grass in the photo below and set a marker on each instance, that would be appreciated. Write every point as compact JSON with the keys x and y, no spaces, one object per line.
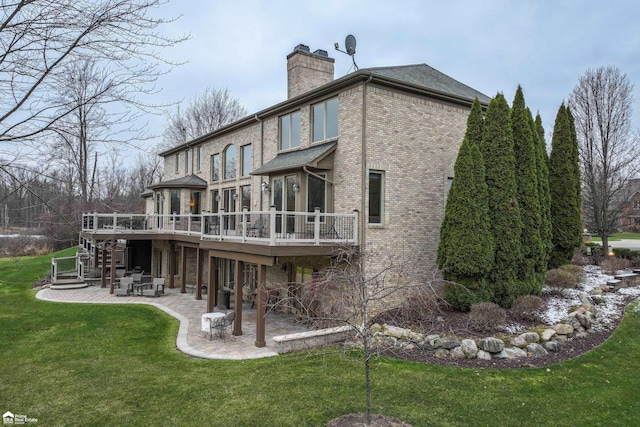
{"x":618,"y":236}
{"x":96,"y":365}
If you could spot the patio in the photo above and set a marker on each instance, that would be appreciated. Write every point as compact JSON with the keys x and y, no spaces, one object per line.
{"x":188,"y":311}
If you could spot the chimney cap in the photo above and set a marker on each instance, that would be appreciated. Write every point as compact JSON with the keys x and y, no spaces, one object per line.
{"x":301,"y":48}
{"x":321,"y":52}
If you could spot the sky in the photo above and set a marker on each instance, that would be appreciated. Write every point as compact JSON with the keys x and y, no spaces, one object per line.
{"x":545,"y":46}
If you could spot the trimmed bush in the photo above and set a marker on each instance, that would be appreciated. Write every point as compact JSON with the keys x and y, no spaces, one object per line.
{"x":559,"y":280}
{"x":576,"y":270}
{"x":528,"y":307}
{"x":486,"y":316}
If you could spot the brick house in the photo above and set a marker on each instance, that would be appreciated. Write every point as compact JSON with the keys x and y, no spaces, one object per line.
{"x":630,"y":212}
{"x":365,"y":159}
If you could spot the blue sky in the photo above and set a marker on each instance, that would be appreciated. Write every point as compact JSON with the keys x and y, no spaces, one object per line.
{"x":492,"y":46}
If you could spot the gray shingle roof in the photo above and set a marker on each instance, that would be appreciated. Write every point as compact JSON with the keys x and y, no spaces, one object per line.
{"x":191,"y":181}
{"x":296,"y":159}
{"x":430,"y":78}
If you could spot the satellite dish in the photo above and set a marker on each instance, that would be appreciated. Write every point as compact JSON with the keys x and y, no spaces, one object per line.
{"x":350,"y":44}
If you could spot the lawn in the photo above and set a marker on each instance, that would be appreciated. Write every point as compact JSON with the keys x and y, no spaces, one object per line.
{"x":96,"y":365}
{"x":618,"y":236}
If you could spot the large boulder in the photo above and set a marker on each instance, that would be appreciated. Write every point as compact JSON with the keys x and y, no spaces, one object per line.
{"x":491,"y":344}
{"x":469,"y":348}
{"x":536,"y":350}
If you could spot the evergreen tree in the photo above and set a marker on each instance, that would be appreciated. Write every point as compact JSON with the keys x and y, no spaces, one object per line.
{"x":527,"y":182}
{"x":542,"y":164}
{"x":466,"y":249}
{"x":564,"y":184}
{"x":504,"y":212}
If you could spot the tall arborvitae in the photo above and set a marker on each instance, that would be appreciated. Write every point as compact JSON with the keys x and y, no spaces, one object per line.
{"x":564,"y":182}
{"x":504,"y":212}
{"x":466,"y":246}
{"x":543,"y":195}
{"x":527,"y":181}
{"x":575,"y":162}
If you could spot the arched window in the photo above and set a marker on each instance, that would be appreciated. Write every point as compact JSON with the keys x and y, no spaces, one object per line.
{"x":230,"y":156}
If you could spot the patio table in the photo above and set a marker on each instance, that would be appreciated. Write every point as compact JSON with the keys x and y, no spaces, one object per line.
{"x":208,"y":318}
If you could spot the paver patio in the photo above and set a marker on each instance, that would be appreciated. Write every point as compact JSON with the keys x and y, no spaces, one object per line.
{"x":188,"y":310}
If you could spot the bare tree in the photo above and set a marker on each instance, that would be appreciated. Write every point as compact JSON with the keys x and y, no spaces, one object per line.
{"x":343,"y":294}
{"x":601,"y":104}
{"x":212,"y":110}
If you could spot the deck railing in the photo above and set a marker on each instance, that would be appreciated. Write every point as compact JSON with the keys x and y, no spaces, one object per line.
{"x":262,"y":227}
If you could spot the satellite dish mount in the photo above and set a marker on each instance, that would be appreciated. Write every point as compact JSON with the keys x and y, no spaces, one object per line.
{"x":350,"y":46}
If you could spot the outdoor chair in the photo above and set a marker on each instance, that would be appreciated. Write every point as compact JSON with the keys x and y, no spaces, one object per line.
{"x":222,"y":324}
{"x":157,"y":288}
{"x":126,"y":287}
{"x":137,"y":277}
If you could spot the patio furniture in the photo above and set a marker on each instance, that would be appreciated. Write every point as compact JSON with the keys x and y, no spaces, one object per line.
{"x":126,"y":287}
{"x":222,"y":324}
{"x":157,"y":288}
{"x":137,"y":277}
{"x":208,"y":320}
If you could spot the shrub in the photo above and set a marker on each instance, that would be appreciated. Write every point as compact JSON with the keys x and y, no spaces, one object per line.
{"x":559,"y":280}
{"x":486,"y":316}
{"x":527,"y":307}
{"x":576,"y":270}
{"x":611,"y":265}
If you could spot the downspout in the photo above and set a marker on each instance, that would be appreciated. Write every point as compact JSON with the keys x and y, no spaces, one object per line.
{"x":363,"y":183}
{"x":259,"y":120}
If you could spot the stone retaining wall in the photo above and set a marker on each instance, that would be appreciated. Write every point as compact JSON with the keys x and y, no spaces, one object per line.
{"x":535,"y":343}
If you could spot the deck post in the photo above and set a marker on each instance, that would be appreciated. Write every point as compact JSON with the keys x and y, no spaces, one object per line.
{"x":172,"y":264}
{"x":237,"y":323}
{"x":260,"y":309}
{"x":198,"y":274}
{"x":213,"y":284}
{"x":183,"y":264}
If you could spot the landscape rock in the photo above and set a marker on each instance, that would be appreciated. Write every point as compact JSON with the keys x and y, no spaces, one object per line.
{"x":511,"y":353}
{"x":469,"y":348}
{"x":553,"y":346}
{"x":547,"y":334}
{"x":530,"y":337}
{"x":483,"y":355}
{"x":491,"y":344}
{"x":536,"y":350}
{"x":563,"y":329}
{"x":449,"y":343}
{"x":457,"y":353}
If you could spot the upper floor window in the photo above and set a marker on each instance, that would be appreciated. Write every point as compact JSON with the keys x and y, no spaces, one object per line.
{"x":215,"y":167}
{"x":290,"y":131}
{"x":187,"y":160}
{"x":177,"y":168}
{"x":198,"y":162}
{"x":325,"y":120}
{"x":230,"y":156}
{"x":247,"y":165}
{"x":376,"y":197}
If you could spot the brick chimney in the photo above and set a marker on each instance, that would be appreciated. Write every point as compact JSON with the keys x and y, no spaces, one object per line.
{"x":307,"y":71}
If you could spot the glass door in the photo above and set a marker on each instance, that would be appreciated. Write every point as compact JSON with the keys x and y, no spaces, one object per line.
{"x":284,"y":199}
{"x":229,"y":205}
